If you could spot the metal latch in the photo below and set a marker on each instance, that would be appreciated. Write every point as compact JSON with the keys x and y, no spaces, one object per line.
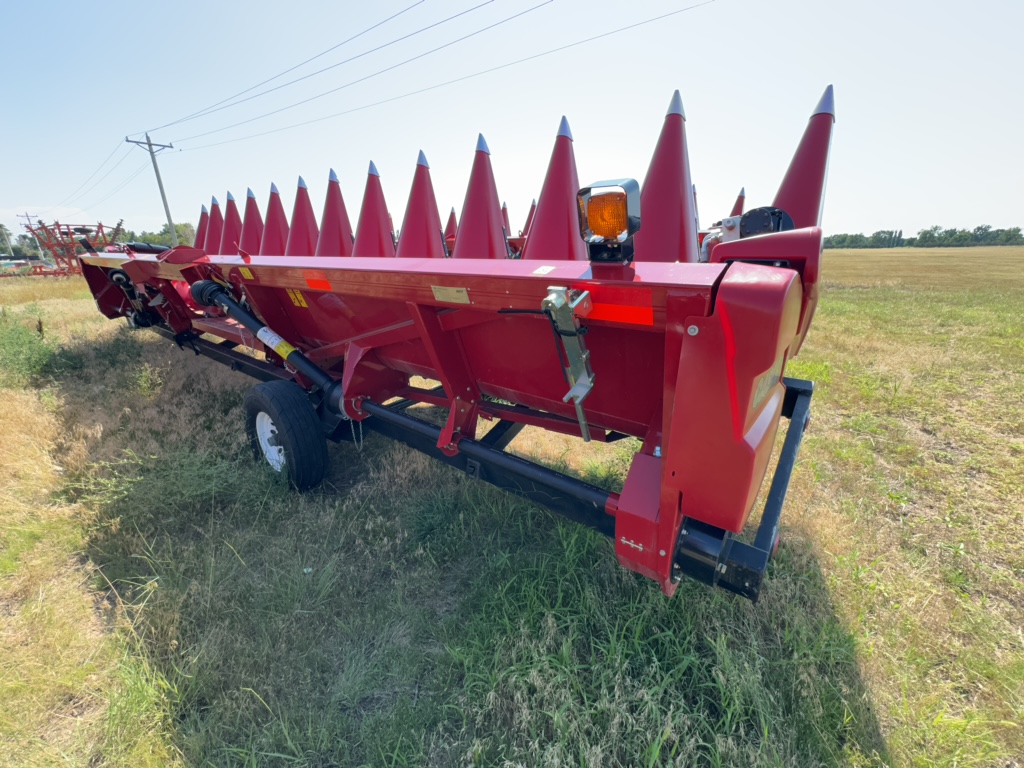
{"x":562,"y":305}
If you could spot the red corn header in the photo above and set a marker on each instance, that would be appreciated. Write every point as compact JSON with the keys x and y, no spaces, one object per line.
{"x":609,"y":316}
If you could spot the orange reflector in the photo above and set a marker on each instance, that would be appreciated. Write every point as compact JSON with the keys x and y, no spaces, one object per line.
{"x":607,"y":216}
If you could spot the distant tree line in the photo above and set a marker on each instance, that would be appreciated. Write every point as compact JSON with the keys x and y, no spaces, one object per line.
{"x":933,"y":237}
{"x":186,"y":234}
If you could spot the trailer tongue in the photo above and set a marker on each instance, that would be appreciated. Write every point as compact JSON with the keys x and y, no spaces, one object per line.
{"x":611,"y":316}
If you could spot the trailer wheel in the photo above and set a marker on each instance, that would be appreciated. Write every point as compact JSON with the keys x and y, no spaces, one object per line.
{"x":285,"y":431}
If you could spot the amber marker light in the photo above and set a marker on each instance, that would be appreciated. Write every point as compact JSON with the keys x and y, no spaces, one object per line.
{"x":609,"y":213}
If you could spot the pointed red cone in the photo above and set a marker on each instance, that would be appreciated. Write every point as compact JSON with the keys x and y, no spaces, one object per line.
{"x":504,"y":219}
{"x":304,"y":233}
{"x":480,"y":226}
{"x":199,"y":240}
{"x":802,"y":193}
{"x":252,"y":226}
{"x":373,"y":233}
{"x":529,"y":219}
{"x":741,"y":198}
{"x":232,"y":232}
{"x":668,"y":229}
{"x":335,"y":228}
{"x":421,"y":228}
{"x":451,"y":229}
{"x":275,"y":233}
{"x":555,"y":230}
{"x":214,"y":229}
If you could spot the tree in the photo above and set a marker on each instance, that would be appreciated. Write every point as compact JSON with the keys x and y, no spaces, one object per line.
{"x":929,"y":238}
{"x":186,"y":234}
{"x":1010,"y":236}
{"x":5,"y":241}
{"x":26,"y":247}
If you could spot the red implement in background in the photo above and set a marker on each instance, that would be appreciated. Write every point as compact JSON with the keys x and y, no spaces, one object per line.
{"x":64,"y":241}
{"x":683,"y":348}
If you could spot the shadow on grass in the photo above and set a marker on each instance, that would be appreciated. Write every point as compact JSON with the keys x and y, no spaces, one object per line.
{"x":405,"y":615}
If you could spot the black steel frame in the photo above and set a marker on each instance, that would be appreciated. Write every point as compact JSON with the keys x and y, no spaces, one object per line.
{"x":705,"y":553}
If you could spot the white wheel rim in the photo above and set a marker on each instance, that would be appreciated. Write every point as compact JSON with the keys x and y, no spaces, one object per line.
{"x":266,"y":433}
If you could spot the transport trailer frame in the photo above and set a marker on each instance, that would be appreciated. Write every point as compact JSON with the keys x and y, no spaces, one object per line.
{"x":704,"y":552}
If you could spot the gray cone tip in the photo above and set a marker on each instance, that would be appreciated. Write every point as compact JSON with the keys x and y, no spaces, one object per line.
{"x":332,"y":176}
{"x":302,"y":183}
{"x":826,"y":104}
{"x":743,"y":191}
{"x":453,"y":209}
{"x":563,"y":129}
{"x":481,"y":145}
{"x":422,"y":160}
{"x":373,"y":169}
{"x":231,"y":198}
{"x":534,"y":201}
{"x":250,"y":193}
{"x":675,"y":107}
{"x":213,"y":202}
{"x":273,"y":189}
{"x":204,"y":209}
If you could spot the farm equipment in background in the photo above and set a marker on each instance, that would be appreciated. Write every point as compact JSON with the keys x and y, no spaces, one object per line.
{"x":610,"y":316}
{"x":64,"y":241}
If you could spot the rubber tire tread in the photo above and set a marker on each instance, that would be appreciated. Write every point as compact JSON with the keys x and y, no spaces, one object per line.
{"x":299,"y":430}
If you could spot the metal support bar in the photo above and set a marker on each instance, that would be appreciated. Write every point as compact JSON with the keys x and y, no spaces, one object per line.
{"x":236,"y":361}
{"x":575,"y":499}
{"x":501,"y":434}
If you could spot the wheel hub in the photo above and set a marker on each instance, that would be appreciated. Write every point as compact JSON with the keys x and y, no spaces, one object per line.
{"x":266,"y":433}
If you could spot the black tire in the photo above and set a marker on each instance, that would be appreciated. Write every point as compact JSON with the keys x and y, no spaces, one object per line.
{"x":279,"y":414}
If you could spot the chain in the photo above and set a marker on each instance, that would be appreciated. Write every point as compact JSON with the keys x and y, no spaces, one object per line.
{"x":358,"y":443}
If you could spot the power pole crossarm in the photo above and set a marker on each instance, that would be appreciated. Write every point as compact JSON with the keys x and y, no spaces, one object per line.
{"x":153,"y":149}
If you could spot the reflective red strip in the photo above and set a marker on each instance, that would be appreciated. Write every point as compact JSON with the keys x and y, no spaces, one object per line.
{"x":617,"y":304}
{"x":619,"y":313}
{"x":316,"y":280}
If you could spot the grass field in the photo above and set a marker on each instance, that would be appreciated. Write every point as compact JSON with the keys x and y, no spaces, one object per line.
{"x":164,"y":602}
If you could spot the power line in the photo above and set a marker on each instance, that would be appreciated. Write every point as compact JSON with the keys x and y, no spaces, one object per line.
{"x":286,"y":71}
{"x":98,"y":169}
{"x":456,"y":80}
{"x":367,"y":77}
{"x":122,"y":185}
{"x":217,"y":108}
{"x":100,"y":179}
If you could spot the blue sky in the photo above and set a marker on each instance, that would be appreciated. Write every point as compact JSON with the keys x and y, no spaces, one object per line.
{"x":928,"y":100}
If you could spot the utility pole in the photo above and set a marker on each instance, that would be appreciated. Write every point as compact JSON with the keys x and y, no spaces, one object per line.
{"x":153,"y":149}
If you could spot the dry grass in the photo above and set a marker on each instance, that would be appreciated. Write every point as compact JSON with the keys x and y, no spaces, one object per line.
{"x":26,"y":290}
{"x":955,"y":269}
{"x":175,"y":603}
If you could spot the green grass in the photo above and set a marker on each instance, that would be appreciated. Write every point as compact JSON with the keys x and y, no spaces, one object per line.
{"x":404,"y":615}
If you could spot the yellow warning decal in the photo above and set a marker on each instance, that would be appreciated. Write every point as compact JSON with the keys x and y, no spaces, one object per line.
{"x":297,"y":298}
{"x":246,"y":273}
{"x":275,"y":342}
